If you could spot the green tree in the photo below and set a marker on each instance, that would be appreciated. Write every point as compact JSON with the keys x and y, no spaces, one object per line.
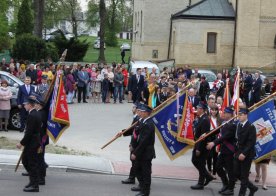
{"x":39,"y":17}
{"x":25,"y":19}
{"x":4,"y":27}
{"x":92,"y":14}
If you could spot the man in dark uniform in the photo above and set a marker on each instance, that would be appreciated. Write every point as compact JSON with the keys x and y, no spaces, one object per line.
{"x":44,"y":139}
{"x":225,"y":163}
{"x":245,"y":152}
{"x":201,"y":127}
{"x":31,"y":143}
{"x":144,"y":151}
{"x":134,"y":135}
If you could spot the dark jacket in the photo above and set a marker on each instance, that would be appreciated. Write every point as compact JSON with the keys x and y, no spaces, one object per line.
{"x":119,"y":79}
{"x":105,"y":85}
{"x":31,"y":139}
{"x":23,"y":94}
{"x":246,"y":140}
{"x":43,"y":131}
{"x":227,"y":138}
{"x":134,"y":85}
{"x":257,"y":86}
{"x":204,"y":89}
{"x":145,"y":146}
{"x":202,"y":126}
{"x":195,"y":100}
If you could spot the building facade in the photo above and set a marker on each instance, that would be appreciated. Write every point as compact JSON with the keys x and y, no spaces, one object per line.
{"x":205,"y":32}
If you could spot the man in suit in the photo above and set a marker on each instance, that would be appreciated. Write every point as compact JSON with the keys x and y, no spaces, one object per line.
{"x":83,"y":79}
{"x":31,"y":142}
{"x":256,"y":89}
{"x":43,"y":88}
{"x":201,"y":126}
{"x":31,"y":72}
{"x":164,"y":94}
{"x":248,"y":81}
{"x":144,"y":151}
{"x":193,"y":98}
{"x":136,"y":85}
{"x":225,"y":164}
{"x":245,"y":152}
{"x":204,"y":89}
{"x":24,"y":92}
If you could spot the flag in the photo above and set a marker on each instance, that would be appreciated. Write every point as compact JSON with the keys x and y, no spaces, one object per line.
{"x":236,"y":94}
{"x":166,"y":127}
{"x":264,"y":119}
{"x":58,"y":117}
{"x":185,"y":134}
{"x":226,"y":97}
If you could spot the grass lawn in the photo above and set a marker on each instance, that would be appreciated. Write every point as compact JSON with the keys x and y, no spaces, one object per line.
{"x":112,"y":54}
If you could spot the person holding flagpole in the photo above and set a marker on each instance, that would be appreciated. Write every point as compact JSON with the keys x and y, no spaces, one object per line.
{"x":201,"y":126}
{"x":245,"y":152}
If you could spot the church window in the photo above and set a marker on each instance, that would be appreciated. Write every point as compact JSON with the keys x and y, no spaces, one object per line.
{"x":211,"y":42}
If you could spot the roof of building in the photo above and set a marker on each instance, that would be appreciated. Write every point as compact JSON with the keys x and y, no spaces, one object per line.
{"x":208,"y":10}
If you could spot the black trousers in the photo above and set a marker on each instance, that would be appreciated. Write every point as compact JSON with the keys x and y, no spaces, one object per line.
{"x":132,"y":169}
{"x":143,"y":174}
{"x":225,"y":169}
{"x":42,"y":165}
{"x":200,"y":164}
{"x":242,"y":169}
{"x":212,"y":160}
{"x":30,"y":162}
{"x":23,"y":117}
{"x":81,"y":90}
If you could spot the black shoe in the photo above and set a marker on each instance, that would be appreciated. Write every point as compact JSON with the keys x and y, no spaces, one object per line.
{"x":253,"y":191}
{"x":21,"y":130}
{"x":31,"y":189}
{"x":28,"y":185}
{"x":208,"y":180}
{"x":223,"y":189}
{"x":197,"y":187}
{"x":228,"y":192}
{"x":136,"y":188}
{"x":85,"y":102}
{"x":140,"y":194}
{"x":25,"y":174}
{"x":128,"y":181}
{"x":6,"y":130}
{"x":41,"y":182}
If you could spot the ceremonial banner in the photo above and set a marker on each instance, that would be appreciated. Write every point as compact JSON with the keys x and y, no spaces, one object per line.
{"x":58,"y":118}
{"x":186,"y":134}
{"x":226,"y":97}
{"x":236,"y":94}
{"x":264,"y":119}
{"x":165,"y":121}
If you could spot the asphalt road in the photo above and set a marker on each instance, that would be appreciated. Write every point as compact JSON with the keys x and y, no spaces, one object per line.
{"x":60,"y":183}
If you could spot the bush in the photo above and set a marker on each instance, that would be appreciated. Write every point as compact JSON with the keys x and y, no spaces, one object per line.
{"x":32,"y":48}
{"x":76,"y":49}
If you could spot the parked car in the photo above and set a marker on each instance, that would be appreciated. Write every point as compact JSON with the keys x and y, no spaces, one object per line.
{"x":14,"y":83}
{"x":58,"y":33}
{"x":125,"y":47}
{"x":97,"y":44}
{"x":210,"y":76}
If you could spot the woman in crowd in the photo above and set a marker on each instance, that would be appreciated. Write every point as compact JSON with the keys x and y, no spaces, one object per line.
{"x":96,"y":86}
{"x":48,"y":72}
{"x":215,"y":121}
{"x":152,"y":89}
{"x":5,"y":104}
{"x":70,"y":85}
{"x":261,"y":172}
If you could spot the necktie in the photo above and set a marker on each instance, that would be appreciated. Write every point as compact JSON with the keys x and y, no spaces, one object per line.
{"x":239,"y":127}
{"x":28,"y":89}
{"x":138,"y":78}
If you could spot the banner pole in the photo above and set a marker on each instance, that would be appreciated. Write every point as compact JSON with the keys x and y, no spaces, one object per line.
{"x":154,"y":111}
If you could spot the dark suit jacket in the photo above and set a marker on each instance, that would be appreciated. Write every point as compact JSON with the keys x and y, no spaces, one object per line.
{"x":23,"y":94}
{"x":246,"y":140}
{"x":43,"y":131}
{"x":195,"y":101}
{"x":145,"y":146}
{"x":227,"y":138}
{"x":257,"y":85}
{"x":136,"y":86}
{"x":31,"y":139}
{"x":203,"y":126}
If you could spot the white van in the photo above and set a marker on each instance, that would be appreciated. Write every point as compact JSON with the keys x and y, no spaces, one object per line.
{"x":133,"y":65}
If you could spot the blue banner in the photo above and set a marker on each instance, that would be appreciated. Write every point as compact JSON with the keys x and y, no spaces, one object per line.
{"x":264,"y":119}
{"x":167,"y":120}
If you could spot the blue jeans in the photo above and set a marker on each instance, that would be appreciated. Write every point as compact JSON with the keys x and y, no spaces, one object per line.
{"x":118,"y":90}
{"x":104,"y":94}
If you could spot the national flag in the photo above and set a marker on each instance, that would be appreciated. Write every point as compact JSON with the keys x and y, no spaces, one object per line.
{"x":264,"y":119}
{"x":185,"y":134}
{"x":166,"y":125}
{"x":236,"y":94}
{"x":226,"y":97}
{"x":58,"y":117}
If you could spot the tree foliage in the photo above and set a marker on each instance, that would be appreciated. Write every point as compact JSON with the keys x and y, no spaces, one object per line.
{"x":92,"y":14}
{"x":30,"y":47}
{"x":76,"y":48}
{"x":4,"y":27}
{"x":25,"y":22}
